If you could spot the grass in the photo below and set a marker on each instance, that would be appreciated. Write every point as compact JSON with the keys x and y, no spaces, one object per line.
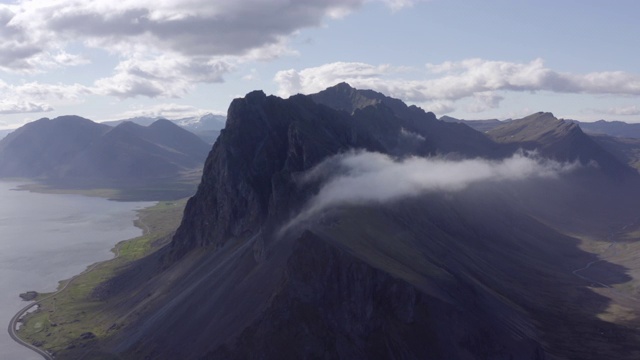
{"x":60,"y":322}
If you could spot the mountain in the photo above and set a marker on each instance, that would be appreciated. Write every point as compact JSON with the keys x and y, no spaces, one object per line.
{"x":5,"y":132}
{"x":291,"y":247}
{"x":557,"y":139}
{"x":207,"y":126}
{"x":140,"y":120}
{"x":612,"y":128}
{"x":480,"y":125}
{"x":74,"y":150}
{"x":439,"y":136}
{"x":39,"y":148}
{"x":203,"y":123}
{"x":625,"y":149}
{"x":600,"y":127}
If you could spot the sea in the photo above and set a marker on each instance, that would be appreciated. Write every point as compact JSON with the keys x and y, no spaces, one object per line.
{"x":45,"y":238}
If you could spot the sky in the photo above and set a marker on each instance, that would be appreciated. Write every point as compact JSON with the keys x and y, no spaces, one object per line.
{"x":108,"y":60}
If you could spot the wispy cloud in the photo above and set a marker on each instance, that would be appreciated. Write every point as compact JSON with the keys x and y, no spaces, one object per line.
{"x":620,"y":111}
{"x":359,"y":177}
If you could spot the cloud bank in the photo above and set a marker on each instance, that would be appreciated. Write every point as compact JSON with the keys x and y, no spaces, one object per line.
{"x":450,"y":81}
{"x":360,"y":177}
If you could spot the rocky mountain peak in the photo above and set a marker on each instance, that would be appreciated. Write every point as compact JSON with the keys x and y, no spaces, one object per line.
{"x":248,"y":181}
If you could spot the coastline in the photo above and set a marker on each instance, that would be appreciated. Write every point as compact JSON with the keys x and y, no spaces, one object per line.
{"x":154,"y":235}
{"x":18,"y":317}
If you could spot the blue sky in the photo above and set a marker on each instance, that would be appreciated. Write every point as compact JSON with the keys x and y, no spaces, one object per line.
{"x":501,"y":59}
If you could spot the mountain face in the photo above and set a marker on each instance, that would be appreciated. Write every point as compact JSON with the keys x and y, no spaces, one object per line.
{"x":557,"y":139}
{"x":617,"y":129}
{"x":256,"y":160}
{"x":73,"y":149}
{"x":442,"y":137}
{"x":37,"y":149}
{"x":486,"y":271}
{"x":626,"y":150}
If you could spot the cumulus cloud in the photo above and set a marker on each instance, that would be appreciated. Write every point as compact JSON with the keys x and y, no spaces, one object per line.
{"x":484,"y":101}
{"x":165,"y":47}
{"x":360,"y":177}
{"x":440,"y":107}
{"x":472,"y":78}
{"x":30,"y":28}
{"x":358,"y":74}
{"x":165,"y":76}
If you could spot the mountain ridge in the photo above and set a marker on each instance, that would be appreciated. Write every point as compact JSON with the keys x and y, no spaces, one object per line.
{"x":73,"y":149}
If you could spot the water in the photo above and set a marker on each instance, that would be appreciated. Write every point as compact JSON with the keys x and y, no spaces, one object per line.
{"x":45,"y":238}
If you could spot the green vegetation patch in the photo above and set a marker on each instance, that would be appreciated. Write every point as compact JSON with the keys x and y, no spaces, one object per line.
{"x":72,"y":321}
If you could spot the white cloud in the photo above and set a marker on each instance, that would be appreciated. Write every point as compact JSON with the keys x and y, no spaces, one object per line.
{"x":484,"y":101}
{"x":17,"y":107}
{"x":453,"y":81}
{"x":359,"y":177}
{"x":34,"y":97}
{"x":192,"y":28}
{"x":440,"y":107}
{"x":315,"y":79}
{"x":162,"y":76}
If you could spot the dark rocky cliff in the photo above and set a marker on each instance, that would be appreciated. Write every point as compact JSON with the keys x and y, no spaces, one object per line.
{"x":248,"y":177}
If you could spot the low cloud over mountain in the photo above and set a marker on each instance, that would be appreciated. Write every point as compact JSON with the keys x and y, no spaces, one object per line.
{"x":361,"y":177}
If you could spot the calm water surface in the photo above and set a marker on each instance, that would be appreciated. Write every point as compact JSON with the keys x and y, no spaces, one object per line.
{"x":45,"y":238}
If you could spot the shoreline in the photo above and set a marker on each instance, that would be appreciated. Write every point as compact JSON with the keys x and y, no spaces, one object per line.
{"x":18,"y":317}
{"x":125,"y":251}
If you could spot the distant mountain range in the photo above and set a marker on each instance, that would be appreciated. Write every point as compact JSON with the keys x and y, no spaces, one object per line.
{"x":207,"y":126}
{"x":600,"y":127}
{"x":72,"y":150}
{"x":348,"y":225}
{"x":620,"y":139}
